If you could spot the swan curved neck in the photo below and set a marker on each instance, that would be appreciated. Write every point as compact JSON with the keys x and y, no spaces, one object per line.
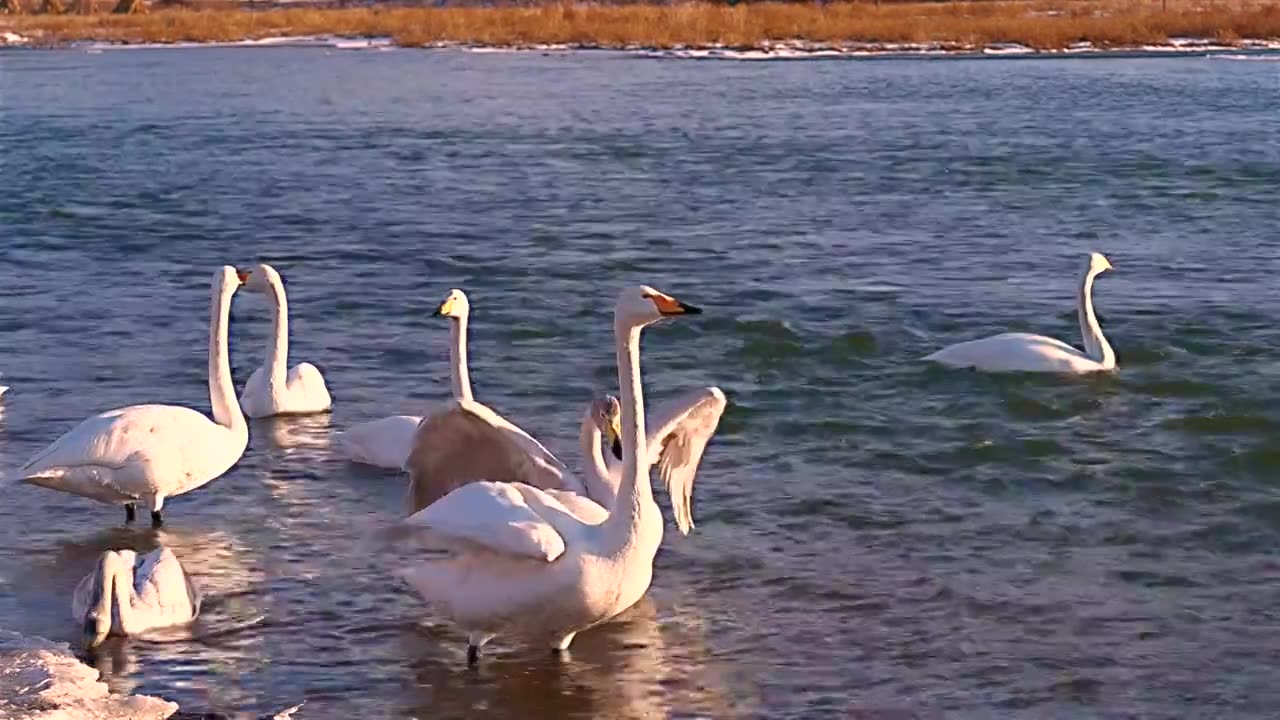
{"x":599,"y":486}
{"x":458,"y":373}
{"x":222,"y":394}
{"x":278,"y":350}
{"x":122,"y":598}
{"x":1095,"y":345}
{"x":634,"y":493}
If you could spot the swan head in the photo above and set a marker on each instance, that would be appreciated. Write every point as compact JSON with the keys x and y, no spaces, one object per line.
{"x":606,"y":412}
{"x":455,"y":305}
{"x":261,"y":278}
{"x":1098,"y":263}
{"x":641,"y":305}
{"x":228,"y":279}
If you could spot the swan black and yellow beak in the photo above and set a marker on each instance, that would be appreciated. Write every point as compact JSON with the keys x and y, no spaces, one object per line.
{"x":445,"y":308}
{"x":669,"y":306}
{"x":615,"y":438}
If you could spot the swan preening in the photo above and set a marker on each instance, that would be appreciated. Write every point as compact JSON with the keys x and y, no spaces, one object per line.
{"x":275,"y":388}
{"x":519,"y":561}
{"x":116,"y":599}
{"x":1024,"y":352}
{"x":149,"y":453}
{"x":386,"y":442}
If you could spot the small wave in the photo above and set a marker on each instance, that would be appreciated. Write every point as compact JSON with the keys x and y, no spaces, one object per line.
{"x":1247,"y":58}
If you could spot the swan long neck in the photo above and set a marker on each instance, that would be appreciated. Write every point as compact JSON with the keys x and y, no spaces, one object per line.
{"x":459,"y":376}
{"x":634,"y":493}
{"x":222,"y":393}
{"x":1095,"y":345}
{"x":599,"y":487}
{"x":122,"y":601}
{"x":278,"y":351}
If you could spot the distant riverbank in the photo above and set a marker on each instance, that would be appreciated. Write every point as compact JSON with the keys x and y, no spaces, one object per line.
{"x":771,"y":28}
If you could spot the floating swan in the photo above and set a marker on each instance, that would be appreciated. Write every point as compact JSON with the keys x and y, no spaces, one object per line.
{"x":147,"y":453}
{"x":469,"y":442}
{"x":1024,"y":352}
{"x":386,"y":442}
{"x":114,"y":600}
{"x":274,"y":388}
{"x":521,"y":562}
{"x":676,"y":443}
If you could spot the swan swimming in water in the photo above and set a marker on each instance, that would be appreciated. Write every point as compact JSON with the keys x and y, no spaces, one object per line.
{"x":147,"y":453}
{"x":523,"y":563}
{"x":116,"y":600}
{"x":275,"y":388}
{"x":1025,"y":352}
{"x":386,"y":442}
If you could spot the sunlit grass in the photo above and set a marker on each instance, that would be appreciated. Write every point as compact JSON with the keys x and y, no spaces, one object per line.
{"x":1044,"y":24}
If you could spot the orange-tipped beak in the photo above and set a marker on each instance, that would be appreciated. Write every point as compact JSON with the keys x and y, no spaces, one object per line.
{"x":668,"y":305}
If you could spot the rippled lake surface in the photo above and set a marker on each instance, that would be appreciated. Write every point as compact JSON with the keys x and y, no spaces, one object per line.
{"x":875,"y":537}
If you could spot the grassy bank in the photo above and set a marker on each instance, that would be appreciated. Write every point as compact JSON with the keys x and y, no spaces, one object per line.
{"x":1042,"y":24}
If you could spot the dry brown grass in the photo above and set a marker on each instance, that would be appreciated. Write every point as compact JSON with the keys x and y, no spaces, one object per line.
{"x":1045,"y":24}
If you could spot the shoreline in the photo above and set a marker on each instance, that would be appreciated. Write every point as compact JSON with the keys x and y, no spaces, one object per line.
{"x":691,"y":29}
{"x":1246,"y":48}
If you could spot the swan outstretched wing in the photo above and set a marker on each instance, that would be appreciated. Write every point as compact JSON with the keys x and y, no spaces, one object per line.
{"x":469,"y":442}
{"x":678,"y":437}
{"x":495,"y":516}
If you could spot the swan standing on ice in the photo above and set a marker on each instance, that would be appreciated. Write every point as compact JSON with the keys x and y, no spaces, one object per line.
{"x":114,"y":600}
{"x":523,"y":563}
{"x":147,"y":453}
{"x":275,"y":388}
{"x":1024,"y":352}
{"x":469,"y":443}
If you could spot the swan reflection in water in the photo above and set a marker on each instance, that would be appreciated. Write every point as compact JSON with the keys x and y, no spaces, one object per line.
{"x":638,"y":665}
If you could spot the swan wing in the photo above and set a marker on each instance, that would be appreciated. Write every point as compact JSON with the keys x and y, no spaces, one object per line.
{"x":384,"y":443}
{"x":95,"y":458}
{"x":469,"y":442}
{"x":495,"y":516}
{"x":1015,"y":352}
{"x":163,"y":588}
{"x":306,"y":381}
{"x":683,"y":426}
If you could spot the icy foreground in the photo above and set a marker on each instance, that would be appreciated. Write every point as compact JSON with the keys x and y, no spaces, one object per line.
{"x":42,"y":680}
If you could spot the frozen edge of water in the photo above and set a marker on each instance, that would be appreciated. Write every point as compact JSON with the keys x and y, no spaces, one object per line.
{"x":775,"y":50}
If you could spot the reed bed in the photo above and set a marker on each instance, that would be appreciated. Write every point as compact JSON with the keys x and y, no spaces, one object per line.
{"x":1041,"y":24}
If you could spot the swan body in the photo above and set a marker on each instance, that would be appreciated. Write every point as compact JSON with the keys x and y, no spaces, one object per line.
{"x":469,"y":442}
{"x":387,"y":442}
{"x":275,"y":388}
{"x":1025,"y":352}
{"x":519,"y":561}
{"x":117,"y":600}
{"x":147,"y":453}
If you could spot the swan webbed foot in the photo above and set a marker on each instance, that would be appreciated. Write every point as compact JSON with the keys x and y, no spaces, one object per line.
{"x":130,"y":512}
{"x":156,"y":520}
{"x":473,"y":655}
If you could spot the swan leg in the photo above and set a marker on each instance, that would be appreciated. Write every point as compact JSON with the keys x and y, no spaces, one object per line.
{"x":156,"y":520}
{"x":475,"y":641}
{"x":130,"y":512}
{"x":156,"y":504}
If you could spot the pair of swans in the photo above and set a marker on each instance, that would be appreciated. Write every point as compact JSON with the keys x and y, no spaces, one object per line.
{"x":545,"y":564}
{"x":118,"y":598}
{"x":1024,"y":352}
{"x":148,"y":453}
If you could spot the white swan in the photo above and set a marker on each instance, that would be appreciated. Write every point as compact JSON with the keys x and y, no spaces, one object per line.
{"x":114,"y":600}
{"x":469,"y":442}
{"x":1024,"y":352}
{"x":147,"y":453}
{"x":676,"y":441}
{"x":524,"y":564}
{"x":386,"y":442}
{"x":275,"y":388}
